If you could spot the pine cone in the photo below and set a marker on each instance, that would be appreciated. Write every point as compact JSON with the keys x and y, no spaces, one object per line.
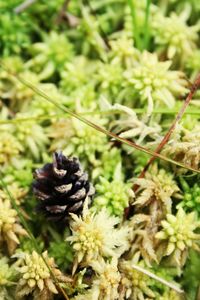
{"x":62,"y":187}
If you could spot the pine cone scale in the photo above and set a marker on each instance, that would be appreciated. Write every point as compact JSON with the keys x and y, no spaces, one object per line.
{"x":80,"y":194}
{"x":65,"y":188}
{"x":60,"y":173}
{"x":76,"y":207}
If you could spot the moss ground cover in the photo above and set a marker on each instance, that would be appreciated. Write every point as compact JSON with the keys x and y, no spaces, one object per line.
{"x":90,"y":91}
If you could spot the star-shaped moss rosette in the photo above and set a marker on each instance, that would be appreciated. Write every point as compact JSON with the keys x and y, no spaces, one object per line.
{"x":173,"y":35}
{"x":123,"y":51}
{"x":114,"y":194}
{"x":96,"y":236}
{"x":36,"y":278}
{"x":107,"y":280}
{"x":154,"y":82}
{"x":76,"y":73}
{"x":50,"y":55}
{"x":10,"y":229}
{"x":159,"y":185}
{"x":178,"y":234}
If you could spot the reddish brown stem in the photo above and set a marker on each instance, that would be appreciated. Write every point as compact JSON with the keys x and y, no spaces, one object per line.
{"x":62,"y":12}
{"x":166,"y":138}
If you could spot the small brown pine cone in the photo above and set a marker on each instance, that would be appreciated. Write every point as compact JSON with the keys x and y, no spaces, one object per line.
{"x":62,"y":187}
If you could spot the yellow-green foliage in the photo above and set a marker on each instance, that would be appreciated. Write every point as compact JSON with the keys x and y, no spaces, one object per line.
{"x":127,"y":67}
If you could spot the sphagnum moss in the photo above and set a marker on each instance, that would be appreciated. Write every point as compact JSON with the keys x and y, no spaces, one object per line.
{"x":180,"y":234}
{"x":95,"y":236}
{"x":154,"y":82}
{"x":36,"y":277}
{"x":125,"y":65}
{"x":10,"y":229}
{"x":174,"y":35}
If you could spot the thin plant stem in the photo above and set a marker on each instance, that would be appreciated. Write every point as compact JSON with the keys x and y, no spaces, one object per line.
{"x":102,"y":112}
{"x":158,"y":278}
{"x":23,"y":6}
{"x":62,"y":12}
{"x":95,"y":126}
{"x":135,"y":32}
{"x":194,"y":87}
{"x":147,"y":25}
{"x":180,"y":114}
{"x":166,"y":138}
